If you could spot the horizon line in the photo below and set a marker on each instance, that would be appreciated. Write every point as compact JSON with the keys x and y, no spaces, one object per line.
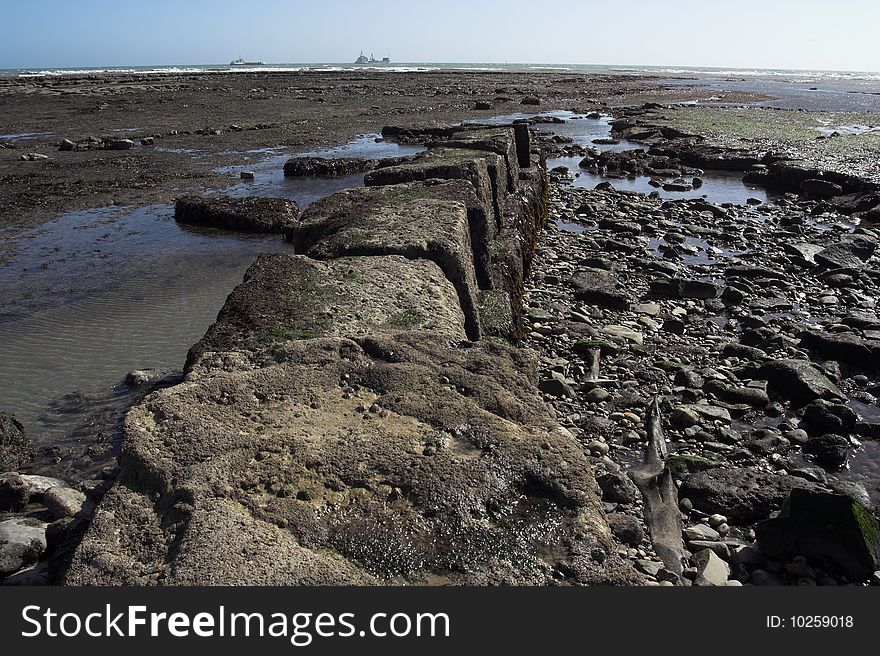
{"x":452,"y":63}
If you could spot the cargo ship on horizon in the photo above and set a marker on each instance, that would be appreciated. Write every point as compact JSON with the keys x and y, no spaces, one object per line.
{"x":363,"y":59}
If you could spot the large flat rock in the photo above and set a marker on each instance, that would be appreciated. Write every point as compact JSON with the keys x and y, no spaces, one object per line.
{"x":416,"y":221}
{"x":400,"y":459}
{"x":290,"y":297}
{"x":271,"y":215}
{"x":485,"y":170}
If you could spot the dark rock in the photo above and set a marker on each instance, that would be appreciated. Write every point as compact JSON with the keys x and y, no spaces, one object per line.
{"x":826,"y":417}
{"x":682,"y":465}
{"x":821,"y":188}
{"x":323,"y":167}
{"x":867,"y":430}
{"x":556,"y":386}
{"x":689,"y":378}
{"x":483,"y":104}
{"x":733,"y":296}
{"x":850,"y":254}
{"x":798,"y":380}
{"x":845,"y":347}
{"x":737,"y":394}
{"x":22,"y":542}
{"x":600,"y":288}
{"x":820,"y":525}
{"x":741,"y":494}
{"x":530,"y":100}
{"x":829,"y":450}
{"x":141,"y":377}
{"x":271,"y":215}
{"x":626,"y":528}
{"x":698,"y":289}
{"x":678,"y":288}
{"x":66,"y":145}
{"x":617,"y":487}
{"x":14,"y":493}
{"x":15,"y":447}
{"x":736,"y":350}
{"x":120,"y":144}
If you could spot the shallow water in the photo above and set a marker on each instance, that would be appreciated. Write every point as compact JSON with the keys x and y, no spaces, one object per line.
{"x":22,"y":136}
{"x":810,"y":92}
{"x":718,"y":186}
{"x":268,"y":168}
{"x":93,"y":295}
{"x":577,"y":127}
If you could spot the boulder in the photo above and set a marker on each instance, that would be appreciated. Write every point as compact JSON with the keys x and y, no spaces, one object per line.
{"x":849,"y":254}
{"x":22,"y":543}
{"x":821,"y":525}
{"x":142,"y":377}
{"x":684,"y":288}
{"x":826,"y":417}
{"x":852,"y":349}
{"x":120,"y":144}
{"x":711,"y":570}
{"x":821,"y":188}
{"x":270,"y":215}
{"x":66,"y":502}
{"x":37,"y":485}
{"x":15,"y":448}
{"x":627,"y":529}
{"x":798,"y":380}
{"x":413,"y":220}
{"x":617,"y":487}
{"x":742,"y":494}
{"x":293,"y":297}
{"x":601,"y":288}
{"x":426,"y":464}
{"x":829,"y":450}
{"x":14,"y":493}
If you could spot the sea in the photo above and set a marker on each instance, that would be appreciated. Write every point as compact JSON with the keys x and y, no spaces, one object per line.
{"x":833,"y":91}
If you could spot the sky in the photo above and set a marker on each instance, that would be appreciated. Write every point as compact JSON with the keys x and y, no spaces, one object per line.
{"x":805,"y":34}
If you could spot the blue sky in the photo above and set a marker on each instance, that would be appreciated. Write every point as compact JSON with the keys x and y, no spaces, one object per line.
{"x":810,"y":34}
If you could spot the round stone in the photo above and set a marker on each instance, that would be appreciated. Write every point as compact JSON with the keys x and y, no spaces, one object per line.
{"x":597,"y":395}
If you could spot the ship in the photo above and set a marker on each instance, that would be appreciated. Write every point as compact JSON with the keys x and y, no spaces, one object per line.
{"x":363,"y":59}
{"x":242,"y":62}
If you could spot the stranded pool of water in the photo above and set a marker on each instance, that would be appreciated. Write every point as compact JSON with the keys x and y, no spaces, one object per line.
{"x":269,"y":170}
{"x":95,"y":294}
{"x":718,"y":186}
{"x":22,"y":136}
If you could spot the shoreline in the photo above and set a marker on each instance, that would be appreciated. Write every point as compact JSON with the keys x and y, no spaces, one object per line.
{"x":665,"y":139}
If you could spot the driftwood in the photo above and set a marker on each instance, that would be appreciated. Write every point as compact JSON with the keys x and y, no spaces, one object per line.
{"x":654,"y":481}
{"x":593,"y":363}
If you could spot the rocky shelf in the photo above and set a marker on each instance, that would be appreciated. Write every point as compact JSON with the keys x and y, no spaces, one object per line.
{"x":359,"y":413}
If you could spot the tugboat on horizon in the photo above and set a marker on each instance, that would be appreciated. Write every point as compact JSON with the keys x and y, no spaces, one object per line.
{"x":362,"y":59}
